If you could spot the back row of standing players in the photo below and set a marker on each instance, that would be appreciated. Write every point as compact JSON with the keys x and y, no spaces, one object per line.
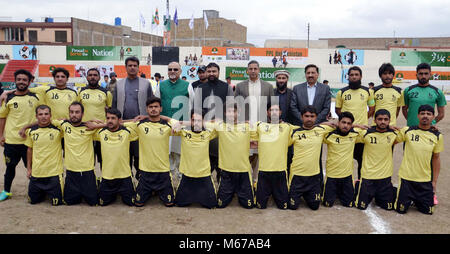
{"x":272,"y":176}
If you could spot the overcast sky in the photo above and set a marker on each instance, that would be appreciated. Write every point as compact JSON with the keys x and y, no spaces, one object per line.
{"x":264,"y":19}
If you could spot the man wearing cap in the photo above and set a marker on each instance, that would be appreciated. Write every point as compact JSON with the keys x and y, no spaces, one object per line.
{"x":202,"y":77}
{"x":284,"y":99}
{"x":284,"y":94}
{"x":112,"y":82}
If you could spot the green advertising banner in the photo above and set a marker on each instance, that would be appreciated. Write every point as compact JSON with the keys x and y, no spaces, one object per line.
{"x":2,"y":66}
{"x":414,"y":58}
{"x":101,"y":53}
{"x":266,"y":74}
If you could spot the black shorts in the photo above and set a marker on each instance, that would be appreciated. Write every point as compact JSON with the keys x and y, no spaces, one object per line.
{"x":14,"y":153}
{"x":235,"y":182}
{"x":275,"y":184}
{"x":380,"y":189}
{"x":98,"y":151}
{"x":307,"y":187}
{"x":109,"y":189}
{"x":38,"y":188}
{"x":341,"y":188}
{"x":421,"y":193}
{"x":196,"y":190}
{"x":80,"y":185}
{"x":161,"y":183}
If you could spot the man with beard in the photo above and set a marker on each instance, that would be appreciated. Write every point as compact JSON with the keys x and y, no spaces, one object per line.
{"x":80,"y":182}
{"x":423,"y":93}
{"x":388,"y":96}
{"x":16,"y":111}
{"x":115,"y":142}
{"x":196,"y":184}
{"x":202,"y":77}
{"x":378,"y":166}
{"x":418,"y":177}
{"x":355,"y":99}
{"x":340,"y":144}
{"x":96,"y":100}
{"x":211,"y":97}
{"x":57,"y":97}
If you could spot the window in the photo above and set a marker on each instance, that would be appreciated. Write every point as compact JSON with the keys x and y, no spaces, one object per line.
{"x":32,"y":36}
{"x":60,"y":36}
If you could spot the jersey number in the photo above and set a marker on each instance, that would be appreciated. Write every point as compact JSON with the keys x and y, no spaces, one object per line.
{"x":68,"y":130}
{"x":85,"y":96}
{"x":347,"y":97}
{"x":373,"y":140}
{"x":414,"y":95}
{"x":35,"y":136}
{"x":338,"y":140}
{"x":302,"y":136}
{"x":415,"y":138}
{"x":379,"y":96}
{"x":55,"y":96}
{"x":146,"y":130}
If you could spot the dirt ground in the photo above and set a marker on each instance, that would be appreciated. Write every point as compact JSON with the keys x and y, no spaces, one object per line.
{"x":18,"y":216}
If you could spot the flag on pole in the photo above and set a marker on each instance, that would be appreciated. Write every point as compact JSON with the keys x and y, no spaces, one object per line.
{"x":175,"y":18}
{"x":156,"y":17}
{"x":154,"y":25}
{"x":206,"y":20}
{"x":191,"y":23}
{"x":142,"y":20}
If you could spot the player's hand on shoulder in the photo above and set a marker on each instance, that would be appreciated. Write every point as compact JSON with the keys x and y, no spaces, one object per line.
{"x":361,"y":126}
{"x":395,"y":128}
{"x":140,"y":118}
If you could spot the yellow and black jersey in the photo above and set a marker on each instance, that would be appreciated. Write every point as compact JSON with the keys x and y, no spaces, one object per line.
{"x":94,"y":100}
{"x":57,"y":99}
{"x":307,"y":147}
{"x":340,"y":152}
{"x":115,"y":148}
{"x":153,"y":145}
{"x":194,"y":160}
{"x":234,"y":146}
{"x":19,"y":111}
{"x":273,"y":142}
{"x":47,"y":150}
{"x":377,"y":157}
{"x":78,"y":149}
{"x":420,"y":145}
{"x":355,"y":101}
{"x":389,"y":98}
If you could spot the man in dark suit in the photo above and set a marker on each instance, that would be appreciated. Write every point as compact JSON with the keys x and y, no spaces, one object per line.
{"x":312,"y":93}
{"x":257,"y":93}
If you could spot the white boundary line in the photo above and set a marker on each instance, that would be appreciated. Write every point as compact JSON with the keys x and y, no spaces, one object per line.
{"x":378,"y":224}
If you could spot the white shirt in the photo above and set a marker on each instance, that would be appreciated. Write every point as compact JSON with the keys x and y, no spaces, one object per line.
{"x":311,"y":93}
{"x":254,"y":93}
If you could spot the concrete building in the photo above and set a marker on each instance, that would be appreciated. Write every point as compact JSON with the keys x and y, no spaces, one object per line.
{"x":221,"y":32}
{"x":76,"y":32}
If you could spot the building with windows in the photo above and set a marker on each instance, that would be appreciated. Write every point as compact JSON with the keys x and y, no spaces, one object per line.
{"x":75,"y":32}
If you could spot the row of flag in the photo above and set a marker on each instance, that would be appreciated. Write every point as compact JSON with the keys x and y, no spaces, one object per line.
{"x":155,"y":21}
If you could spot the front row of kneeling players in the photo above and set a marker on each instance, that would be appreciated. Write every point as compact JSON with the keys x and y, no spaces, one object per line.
{"x":417,"y":176}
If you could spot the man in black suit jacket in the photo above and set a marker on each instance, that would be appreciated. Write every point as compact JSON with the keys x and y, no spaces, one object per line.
{"x":311,"y":93}
{"x":284,"y":95}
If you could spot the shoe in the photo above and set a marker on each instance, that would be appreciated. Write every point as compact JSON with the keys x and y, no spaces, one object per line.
{"x":435,"y":200}
{"x":5,"y":195}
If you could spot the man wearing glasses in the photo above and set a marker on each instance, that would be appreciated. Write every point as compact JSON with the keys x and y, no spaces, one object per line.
{"x":175,"y":94}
